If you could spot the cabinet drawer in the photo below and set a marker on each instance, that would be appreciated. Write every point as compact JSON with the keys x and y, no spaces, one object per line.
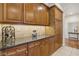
{"x":0,"y":53}
{"x":22,"y":50}
{"x":9,"y":52}
{"x":22,"y":47}
{"x":32,"y":44}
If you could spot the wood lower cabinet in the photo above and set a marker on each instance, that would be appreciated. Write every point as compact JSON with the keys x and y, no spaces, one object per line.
{"x":0,"y":53}
{"x":13,"y":13}
{"x":15,"y":51}
{"x":44,"y":47}
{"x":9,"y":52}
{"x":34,"y":48}
{"x":1,"y":12}
{"x":22,"y":50}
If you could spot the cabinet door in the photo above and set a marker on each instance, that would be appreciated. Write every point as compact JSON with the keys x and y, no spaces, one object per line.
{"x":1,"y":12}
{"x":41,"y":15}
{"x":57,"y":44}
{"x":44,"y":47}
{"x":58,"y":27}
{"x":58,"y":30}
{"x":29,"y":13}
{"x":13,"y":12}
{"x":51,"y":45}
{"x":58,"y":14}
{"x":58,"y":41}
{"x":22,"y":50}
{"x":34,"y":49}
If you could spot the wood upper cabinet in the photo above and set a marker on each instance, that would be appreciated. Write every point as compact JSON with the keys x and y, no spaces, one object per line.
{"x":1,"y":12}
{"x":34,"y":48}
{"x":29,"y":13}
{"x":13,"y":12}
{"x":58,"y":14}
{"x":41,"y":14}
{"x":36,"y":14}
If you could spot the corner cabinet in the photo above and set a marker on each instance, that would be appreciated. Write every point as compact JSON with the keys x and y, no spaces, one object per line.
{"x":13,"y":12}
{"x":56,"y":15}
{"x":1,"y":12}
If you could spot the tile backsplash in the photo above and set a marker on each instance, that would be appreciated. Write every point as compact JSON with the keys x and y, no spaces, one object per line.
{"x":49,"y":30}
{"x":22,"y":31}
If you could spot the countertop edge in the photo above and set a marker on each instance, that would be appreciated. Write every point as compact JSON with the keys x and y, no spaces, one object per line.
{"x":25,"y":43}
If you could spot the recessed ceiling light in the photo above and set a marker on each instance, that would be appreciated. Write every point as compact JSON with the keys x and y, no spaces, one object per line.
{"x":70,"y":13}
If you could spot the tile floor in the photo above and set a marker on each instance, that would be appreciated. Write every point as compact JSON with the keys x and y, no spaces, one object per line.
{"x":66,"y":51}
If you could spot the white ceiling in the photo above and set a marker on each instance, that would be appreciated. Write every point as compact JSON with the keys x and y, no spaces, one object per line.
{"x":68,"y":8}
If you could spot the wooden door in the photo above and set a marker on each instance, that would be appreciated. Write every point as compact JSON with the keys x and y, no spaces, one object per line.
{"x":13,"y":13}
{"x":1,"y":12}
{"x":34,"y":48}
{"x":29,"y":13}
{"x":44,"y":47}
{"x":41,"y":14}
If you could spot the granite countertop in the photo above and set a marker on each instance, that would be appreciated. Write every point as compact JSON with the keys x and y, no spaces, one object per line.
{"x":27,"y":39}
